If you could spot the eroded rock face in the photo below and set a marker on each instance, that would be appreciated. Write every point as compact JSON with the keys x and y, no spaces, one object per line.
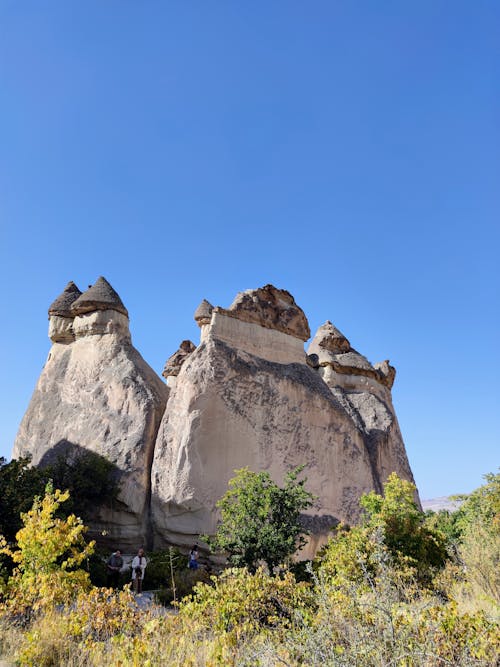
{"x":366,"y":388}
{"x":249,"y":396}
{"x":97,"y":393}
{"x":174,"y":363}
{"x":270,"y":308}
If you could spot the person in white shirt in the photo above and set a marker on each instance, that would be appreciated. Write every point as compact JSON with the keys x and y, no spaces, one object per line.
{"x":138,"y":566}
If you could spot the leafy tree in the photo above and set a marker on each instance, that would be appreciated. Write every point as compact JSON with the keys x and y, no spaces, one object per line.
{"x":479,"y":550}
{"x":260,"y":520}
{"x":48,"y":555}
{"x":482,"y":505}
{"x":446,"y":522}
{"x":19,"y":484}
{"x":406,"y":534}
{"x":393,"y":526}
{"x":89,"y":478}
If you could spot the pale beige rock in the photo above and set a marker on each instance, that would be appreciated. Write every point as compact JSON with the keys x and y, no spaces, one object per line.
{"x":61,"y":329}
{"x":266,"y":343}
{"x":247,"y":397}
{"x":386,"y":372}
{"x":231,"y":409}
{"x":100,"y":323}
{"x":98,"y":394}
{"x":367,"y":390}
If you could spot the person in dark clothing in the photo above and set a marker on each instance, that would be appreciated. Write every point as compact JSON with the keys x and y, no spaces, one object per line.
{"x":193,"y":558}
{"x":113,"y":567}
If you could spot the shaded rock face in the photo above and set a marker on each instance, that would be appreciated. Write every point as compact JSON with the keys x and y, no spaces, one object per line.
{"x":97,"y":393}
{"x":249,"y":396}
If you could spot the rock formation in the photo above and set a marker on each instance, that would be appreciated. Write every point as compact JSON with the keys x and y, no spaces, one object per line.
{"x":96,"y":392}
{"x":247,"y":395}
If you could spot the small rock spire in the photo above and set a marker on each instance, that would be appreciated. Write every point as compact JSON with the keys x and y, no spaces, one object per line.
{"x":203,"y":314}
{"x":174,"y":363}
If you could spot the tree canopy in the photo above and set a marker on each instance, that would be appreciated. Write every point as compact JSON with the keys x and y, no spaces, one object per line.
{"x":260,"y":521}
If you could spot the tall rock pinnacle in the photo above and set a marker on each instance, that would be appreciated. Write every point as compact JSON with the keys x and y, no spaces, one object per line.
{"x":96,"y":393}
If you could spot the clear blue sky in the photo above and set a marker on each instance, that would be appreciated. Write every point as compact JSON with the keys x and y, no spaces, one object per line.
{"x":346,"y":151}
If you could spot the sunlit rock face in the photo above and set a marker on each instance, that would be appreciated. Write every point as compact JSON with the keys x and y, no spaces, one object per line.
{"x":367,"y":390}
{"x":249,"y":396}
{"x":97,"y":393}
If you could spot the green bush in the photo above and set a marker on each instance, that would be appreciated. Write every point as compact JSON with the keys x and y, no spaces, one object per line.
{"x":260,"y":521}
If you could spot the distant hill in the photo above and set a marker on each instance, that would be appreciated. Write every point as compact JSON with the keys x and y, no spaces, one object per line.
{"x":443,"y":503}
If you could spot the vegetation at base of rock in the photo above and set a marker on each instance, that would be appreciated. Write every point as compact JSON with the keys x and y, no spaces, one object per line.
{"x":48,"y":556}
{"x":260,"y":521}
{"x":369,"y":603}
{"x":89,"y":478}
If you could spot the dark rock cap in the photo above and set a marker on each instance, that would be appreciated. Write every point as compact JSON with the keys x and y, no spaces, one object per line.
{"x":174,"y":363}
{"x":100,"y":296}
{"x":329,"y":337}
{"x":203,"y":314}
{"x":272,"y":308}
{"x":62,"y":305}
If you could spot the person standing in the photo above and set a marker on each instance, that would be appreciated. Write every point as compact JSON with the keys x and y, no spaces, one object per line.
{"x":113,"y":566}
{"x":138,"y":566}
{"x":193,"y":558}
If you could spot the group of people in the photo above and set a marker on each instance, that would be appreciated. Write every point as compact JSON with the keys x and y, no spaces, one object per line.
{"x":114,"y":567}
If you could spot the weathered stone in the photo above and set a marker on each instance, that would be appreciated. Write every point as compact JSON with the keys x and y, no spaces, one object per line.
{"x":62,"y":305}
{"x":330,"y":338}
{"x":332,"y":348}
{"x":61,"y":317}
{"x":98,"y":394}
{"x":231,"y":409}
{"x":386,"y":372}
{"x":203,"y":313}
{"x":100,"y":296}
{"x":174,"y":363}
{"x":248,"y":396}
{"x":271,"y":308}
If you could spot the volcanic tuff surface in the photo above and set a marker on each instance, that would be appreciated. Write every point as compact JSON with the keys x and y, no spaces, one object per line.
{"x":247,"y":395}
{"x":97,"y":393}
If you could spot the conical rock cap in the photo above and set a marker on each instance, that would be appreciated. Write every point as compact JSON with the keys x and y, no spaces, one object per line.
{"x":62,"y":305}
{"x":100,"y":296}
{"x":203,"y":314}
{"x":330,"y":338}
